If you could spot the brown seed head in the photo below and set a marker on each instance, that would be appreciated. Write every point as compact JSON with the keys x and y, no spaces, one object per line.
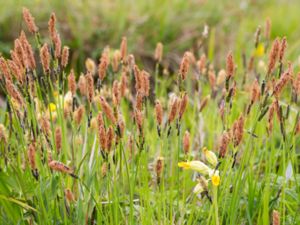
{"x":255,"y":91}
{"x":251,"y":63}
{"x":212,"y":78}
{"x":159,"y":166}
{"x":31,"y":156}
{"x":19,"y":53}
{"x":116,"y":60}
{"x":275,"y":217}
{"x":283,"y":46}
{"x":273,"y":56}
{"x":45,"y":58}
{"x":78,"y":114}
{"x":158,"y":52}
{"x":184,"y":66}
{"x":82,"y":85}
{"x":69,"y":195}
{"x":173,"y":109}
{"x":297,"y":128}
{"x":186,"y":142}
{"x":90,"y":86}
{"x":138,"y":78}
{"x":57,"y":52}
{"x":139,"y":100}
{"x":296,"y":84}
{"x":281,"y":83}
{"x":116,"y":93}
{"x":123,"y":84}
{"x":123,"y":48}
{"x":104,"y":169}
{"x":229,"y":66}
{"x":15,"y":58}
{"x":183,"y":104}
{"x":237,"y":131}
{"x":13,"y":92}
{"x":27,"y":53}
{"x":4,"y":69}
{"x":29,"y":20}
{"x":138,"y":115}
{"x":225,"y":139}
{"x":45,"y":125}
{"x":145,"y":83}
{"x":101,"y":131}
{"x":51,"y":26}
{"x":59,"y":166}
{"x":158,"y":112}
{"x":202,"y":64}
{"x":107,"y":110}
{"x":58,"y":139}
{"x":131,"y":146}
{"x":222,"y":109}
{"x":65,"y":56}
{"x":102,"y":67}
{"x":72,"y":82}
{"x":109,"y":138}
{"x":270,"y":118}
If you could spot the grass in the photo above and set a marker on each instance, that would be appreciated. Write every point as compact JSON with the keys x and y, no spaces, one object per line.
{"x":118,"y":184}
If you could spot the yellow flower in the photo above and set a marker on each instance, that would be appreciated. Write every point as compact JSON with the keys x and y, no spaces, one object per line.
{"x":215,"y":179}
{"x":260,"y":50}
{"x":210,"y":157}
{"x":52,"y":107}
{"x":197,"y":166}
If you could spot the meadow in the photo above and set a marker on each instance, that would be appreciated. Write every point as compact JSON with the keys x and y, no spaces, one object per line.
{"x":124,"y":136}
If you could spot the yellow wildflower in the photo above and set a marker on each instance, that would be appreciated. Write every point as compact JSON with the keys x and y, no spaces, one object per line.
{"x":52,"y":107}
{"x":215,"y":179}
{"x":197,"y":166}
{"x":260,"y":50}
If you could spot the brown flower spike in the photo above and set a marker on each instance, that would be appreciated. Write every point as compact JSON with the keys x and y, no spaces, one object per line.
{"x":273,"y":56}
{"x":229,"y":65}
{"x":29,"y":20}
{"x":107,"y":110}
{"x":45,"y":58}
{"x":158,"y":112}
{"x":186,"y":142}
{"x":184,"y":66}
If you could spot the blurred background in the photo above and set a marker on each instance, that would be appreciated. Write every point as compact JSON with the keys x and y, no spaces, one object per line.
{"x":87,"y":26}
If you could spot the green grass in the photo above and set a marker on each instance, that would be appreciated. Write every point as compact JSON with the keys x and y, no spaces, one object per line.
{"x":259,"y":183}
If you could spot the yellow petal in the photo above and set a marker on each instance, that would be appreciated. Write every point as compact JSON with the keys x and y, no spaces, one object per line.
{"x":184,"y":165}
{"x":260,"y":50}
{"x":52,"y":107}
{"x":215,"y":179}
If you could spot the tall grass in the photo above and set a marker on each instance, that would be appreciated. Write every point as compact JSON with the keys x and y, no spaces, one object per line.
{"x":107,"y":146}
